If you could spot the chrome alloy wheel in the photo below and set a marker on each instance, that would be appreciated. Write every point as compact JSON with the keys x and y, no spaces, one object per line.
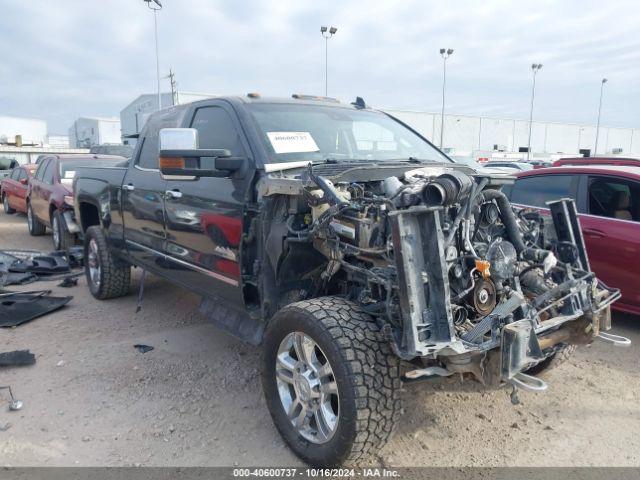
{"x":93,"y":263}
{"x":307,"y":387}
{"x":56,"y":232}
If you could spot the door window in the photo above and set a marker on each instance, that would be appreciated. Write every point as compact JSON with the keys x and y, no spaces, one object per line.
{"x":150,"y":150}
{"x":614,"y":198}
{"x":15,"y":174}
{"x":23,"y":174}
{"x":41,"y":168}
{"x":47,"y":176}
{"x":217,"y":131}
{"x":536,"y":191}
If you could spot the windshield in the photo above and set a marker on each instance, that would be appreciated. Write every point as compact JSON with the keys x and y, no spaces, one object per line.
{"x":319,"y":133}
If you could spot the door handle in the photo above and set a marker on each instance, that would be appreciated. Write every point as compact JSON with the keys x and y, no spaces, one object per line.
{"x":129,"y":187}
{"x":592,"y":232}
{"x":173,"y":194}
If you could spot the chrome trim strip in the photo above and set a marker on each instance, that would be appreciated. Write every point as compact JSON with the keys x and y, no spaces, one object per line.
{"x":215,"y":275}
{"x":142,"y":169}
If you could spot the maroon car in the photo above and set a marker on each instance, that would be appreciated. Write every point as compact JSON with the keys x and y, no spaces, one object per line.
{"x":580,"y":161}
{"x":50,"y":196}
{"x":13,"y":189}
{"x":608,"y":202}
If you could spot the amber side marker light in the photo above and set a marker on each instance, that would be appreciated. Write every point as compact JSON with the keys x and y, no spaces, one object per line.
{"x":172,"y":162}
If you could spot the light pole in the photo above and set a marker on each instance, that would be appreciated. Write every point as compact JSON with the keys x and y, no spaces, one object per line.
{"x":155,"y":5}
{"x":595,"y":149}
{"x":445,"y":53}
{"x":327,"y":33}
{"x":535,"y":68}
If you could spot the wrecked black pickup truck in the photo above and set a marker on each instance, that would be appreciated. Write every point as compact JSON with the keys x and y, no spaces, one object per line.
{"x":354,"y":251}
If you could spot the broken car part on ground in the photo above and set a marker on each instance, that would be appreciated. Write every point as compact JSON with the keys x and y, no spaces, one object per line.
{"x":347,"y":260}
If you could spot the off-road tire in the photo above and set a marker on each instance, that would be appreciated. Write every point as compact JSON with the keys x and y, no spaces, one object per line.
{"x":5,"y":204}
{"x":561,"y":355}
{"x":114,"y":279}
{"x":366,"y":372}
{"x":36,"y":227}
{"x":66,"y":239}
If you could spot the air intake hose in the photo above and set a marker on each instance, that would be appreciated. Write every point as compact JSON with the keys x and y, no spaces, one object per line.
{"x":507,"y":216}
{"x":447,"y":189}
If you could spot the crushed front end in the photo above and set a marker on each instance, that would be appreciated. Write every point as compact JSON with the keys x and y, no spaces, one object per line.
{"x":461,"y":281}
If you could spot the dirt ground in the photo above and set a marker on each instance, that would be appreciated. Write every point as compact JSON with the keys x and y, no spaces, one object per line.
{"x":195,"y":400}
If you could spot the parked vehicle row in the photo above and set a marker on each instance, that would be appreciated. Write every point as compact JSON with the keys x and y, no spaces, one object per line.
{"x":44,"y":192}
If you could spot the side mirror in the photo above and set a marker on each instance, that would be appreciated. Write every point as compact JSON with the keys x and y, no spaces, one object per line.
{"x":181,"y":159}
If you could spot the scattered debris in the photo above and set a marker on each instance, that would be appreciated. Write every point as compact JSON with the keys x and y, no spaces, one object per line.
{"x":17,"y":358}
{"x":141,"y":291}
{"x":5,"y":427}
{"x":143,"y":348}
{"x":60,"y":363}
{"x":69,"y":281}
{"x":17,"y":308}
{"x":14,"y":404}
{"x":19,"y":267}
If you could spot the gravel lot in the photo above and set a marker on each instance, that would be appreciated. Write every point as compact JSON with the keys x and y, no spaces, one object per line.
{"x":196,"y":400}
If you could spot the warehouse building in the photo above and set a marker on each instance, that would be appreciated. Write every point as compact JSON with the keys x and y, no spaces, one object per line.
{"x":134,"y":115}
{"x":30,"y":131}
{"x":89,"y":131}
{"x":464,"y":134}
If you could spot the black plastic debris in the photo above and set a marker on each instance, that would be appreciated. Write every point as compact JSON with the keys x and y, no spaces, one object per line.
{"x":143,"y":348}
{"x":69,"y":281}
{"x":17,"y":308}
{"x":17,"y":358}
{"x":41,"y":265}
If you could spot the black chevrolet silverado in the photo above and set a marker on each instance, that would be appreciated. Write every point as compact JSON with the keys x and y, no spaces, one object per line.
{"x":351,"y":249}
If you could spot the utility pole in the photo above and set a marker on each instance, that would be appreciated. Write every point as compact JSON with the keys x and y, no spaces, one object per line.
{"x":535,"y":68}
{"x":327,"y":34}
{"x":595,"y":149}
{"x":444,"y":53}
{"x":156,"y":8}
{"x":172,"y":81}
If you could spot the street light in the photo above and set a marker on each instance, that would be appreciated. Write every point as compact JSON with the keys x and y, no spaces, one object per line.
{"x":327,"y":34}
{"x":535,"y":68}
{"x":445,"y":53}
{"x":595,"y":149}
{"x":155,"y":5}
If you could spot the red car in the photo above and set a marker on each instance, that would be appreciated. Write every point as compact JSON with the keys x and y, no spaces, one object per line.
{"x":50,"y":196}
{"x":608,"y":202}
{"x":13,"y":189}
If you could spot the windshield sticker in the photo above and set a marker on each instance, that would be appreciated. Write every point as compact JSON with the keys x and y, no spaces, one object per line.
{"x":292,"y":142}
{"x":69,"y":174}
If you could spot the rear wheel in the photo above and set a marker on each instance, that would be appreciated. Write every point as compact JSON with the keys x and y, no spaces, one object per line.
{"x":331,"y":383}
{"x":5,"y":203}
{"x":62,"y":238}
{"x":36,"y":227}
{"x":106,"y":278}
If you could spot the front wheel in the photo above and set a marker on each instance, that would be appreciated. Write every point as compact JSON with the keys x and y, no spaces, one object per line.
{"x":36,"y":227}
{"x":5,"y":203}
{"x":62,"y":238}
{"x":331,"y":383}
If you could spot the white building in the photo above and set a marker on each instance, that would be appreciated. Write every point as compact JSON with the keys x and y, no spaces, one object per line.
{"x":32,"y":131}
{"x":88,"y":131}
{"x":57,"y":141}
{"x":134,"y":115}
{"x":465,"y":133}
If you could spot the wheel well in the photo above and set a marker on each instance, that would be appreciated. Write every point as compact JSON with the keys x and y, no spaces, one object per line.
{"x":88,"y":216}
{"x":52,"y":208}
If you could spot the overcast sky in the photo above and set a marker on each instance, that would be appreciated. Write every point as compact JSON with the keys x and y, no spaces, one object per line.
{"x":68,"y":58}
